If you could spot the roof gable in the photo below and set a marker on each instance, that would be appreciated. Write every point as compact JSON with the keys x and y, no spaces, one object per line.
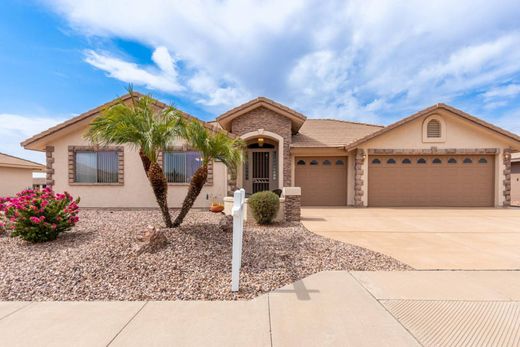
{"x":297,"y":119}
{"x":7,"y":160}
{"x":30,"y":143}
{"x":430,"y":110}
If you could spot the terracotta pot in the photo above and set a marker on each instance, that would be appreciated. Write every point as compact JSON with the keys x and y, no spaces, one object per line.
{"x":216,"y":208}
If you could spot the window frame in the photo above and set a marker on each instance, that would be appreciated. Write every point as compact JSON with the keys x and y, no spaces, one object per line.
{"x":185,"y":152}
{"x":73,"y":150}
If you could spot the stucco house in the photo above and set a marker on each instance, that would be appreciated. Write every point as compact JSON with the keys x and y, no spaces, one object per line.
{"x":515,"y":179}
{"x":439,"y":156}
{"x":16,"y":174}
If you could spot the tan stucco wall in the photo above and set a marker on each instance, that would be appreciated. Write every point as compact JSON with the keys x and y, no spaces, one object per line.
{"x":515,"y":183}
{"x":13,"y":180}
{"x":460,"y":133}
{"x":136,"y":191}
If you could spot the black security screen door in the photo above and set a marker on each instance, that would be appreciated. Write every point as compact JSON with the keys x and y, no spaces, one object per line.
{"x":261,"y":170}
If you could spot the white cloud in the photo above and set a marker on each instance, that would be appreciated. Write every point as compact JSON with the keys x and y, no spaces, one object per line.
{"x":504,"y":91}
{"x":164,"y":78}
{"x":351,"y":59}
{"x":17,"y":128}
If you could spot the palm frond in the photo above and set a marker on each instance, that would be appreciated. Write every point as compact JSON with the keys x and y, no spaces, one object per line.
{"x":139,"y":124}
{"x":213,"y":145}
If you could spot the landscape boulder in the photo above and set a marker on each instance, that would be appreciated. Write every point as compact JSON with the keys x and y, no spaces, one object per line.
{"x":150,"y":240}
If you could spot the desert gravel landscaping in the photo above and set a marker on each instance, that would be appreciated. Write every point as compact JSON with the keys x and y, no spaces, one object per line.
{"x":97,"y":260}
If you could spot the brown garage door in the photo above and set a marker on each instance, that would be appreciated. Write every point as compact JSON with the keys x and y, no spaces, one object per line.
{"x":323,"y":180}
{"x":431,"y":181}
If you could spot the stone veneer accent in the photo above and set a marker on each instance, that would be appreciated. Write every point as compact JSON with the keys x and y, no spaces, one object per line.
{"x":72,"y":163}
{"x":49,"y":150}
{"x":263,"y":118}
{"x":209,"y":181}
{"x":292,"y":204}
{"x":292,"y":208}
{"x":358,"y":179}
{"x":507,"y":177}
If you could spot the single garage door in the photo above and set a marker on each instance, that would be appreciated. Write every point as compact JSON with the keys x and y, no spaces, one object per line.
{"x":431,"y":181}
{"x":323,"y":180}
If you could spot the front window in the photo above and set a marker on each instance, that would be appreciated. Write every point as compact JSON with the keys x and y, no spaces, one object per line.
{"x":179,"y":167}
{"x":96,"y":167}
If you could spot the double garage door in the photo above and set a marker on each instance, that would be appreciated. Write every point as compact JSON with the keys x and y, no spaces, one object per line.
{"x":323,"y":180}
{"x":431,"y":181}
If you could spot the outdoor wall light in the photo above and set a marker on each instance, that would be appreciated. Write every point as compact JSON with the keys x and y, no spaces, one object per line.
{"x":260,"y":141}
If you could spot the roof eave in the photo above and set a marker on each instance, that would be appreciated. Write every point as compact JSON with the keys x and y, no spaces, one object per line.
{"x":428,"y":110}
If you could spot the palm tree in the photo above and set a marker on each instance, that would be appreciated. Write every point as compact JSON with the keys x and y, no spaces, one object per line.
{"x":148,"y":129}
{"x":211,"y":145}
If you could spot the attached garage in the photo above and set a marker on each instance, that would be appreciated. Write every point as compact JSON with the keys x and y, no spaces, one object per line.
{"x":323,"y":180}
{"x":431,"y":181}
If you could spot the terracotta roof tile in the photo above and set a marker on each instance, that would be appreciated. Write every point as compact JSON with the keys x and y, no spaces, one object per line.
{"x":331,"y":133}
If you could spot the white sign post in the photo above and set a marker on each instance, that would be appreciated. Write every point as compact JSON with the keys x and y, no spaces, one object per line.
{"x":238,"y":230}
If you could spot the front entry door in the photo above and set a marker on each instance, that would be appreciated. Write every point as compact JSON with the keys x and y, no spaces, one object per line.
{"x":259,"y":173}
{"x":261,"y":170}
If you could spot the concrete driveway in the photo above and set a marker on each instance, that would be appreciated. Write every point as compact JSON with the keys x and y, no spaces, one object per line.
{"x":427,"y":238}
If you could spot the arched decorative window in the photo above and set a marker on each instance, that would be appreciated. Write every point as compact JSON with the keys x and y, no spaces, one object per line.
{"x":300,"y":162}
{"x":327,"y":162}
{"x":340,"y":162}
{"x":390,"y":161}
{"x":482,"y":161}
{"x":406,"y":161}
{"x":421,"y":161}
{"x":467,"y":161}
{"x":314,"y":162}
{"x":437,"y":161}
{"x":452,"y":161}
{"x":376,"y":161}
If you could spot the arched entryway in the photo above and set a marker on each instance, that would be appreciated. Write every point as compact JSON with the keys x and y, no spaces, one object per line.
{"x":263,"y":162}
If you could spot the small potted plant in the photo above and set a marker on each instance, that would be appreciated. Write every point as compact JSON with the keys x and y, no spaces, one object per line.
{"x":216,"y":206}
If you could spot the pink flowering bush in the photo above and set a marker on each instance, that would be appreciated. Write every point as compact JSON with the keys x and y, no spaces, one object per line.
{"x":38,"y":216}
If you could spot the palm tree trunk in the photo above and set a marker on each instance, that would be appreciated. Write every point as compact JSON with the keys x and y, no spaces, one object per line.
{"x":146,"y":161}
{"x":160,"y":189}
{"x":197,"y":182}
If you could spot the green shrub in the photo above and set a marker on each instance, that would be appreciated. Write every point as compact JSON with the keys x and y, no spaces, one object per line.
{"x":264,"y":206}
{"x":38,"y":216}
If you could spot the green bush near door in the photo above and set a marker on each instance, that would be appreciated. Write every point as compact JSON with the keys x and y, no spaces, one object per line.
{"x":264,"y":206}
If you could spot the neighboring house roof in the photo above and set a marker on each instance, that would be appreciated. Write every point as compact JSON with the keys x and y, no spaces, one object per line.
{"x":39,"y":180}
{"x":297,"y":119}
{"x":331,"y":133}
{"x":428,"y":110}
{"x":7,"y":160}
{"x":95,"y":111}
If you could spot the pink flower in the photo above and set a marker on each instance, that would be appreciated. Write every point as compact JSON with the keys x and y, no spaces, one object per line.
{"x":35,"y":220}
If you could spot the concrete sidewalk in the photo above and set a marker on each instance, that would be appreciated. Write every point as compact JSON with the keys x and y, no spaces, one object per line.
{"x":325,"y":309}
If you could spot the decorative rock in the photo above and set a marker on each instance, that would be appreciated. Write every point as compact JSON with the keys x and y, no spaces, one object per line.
{"x":150,"y":241}
{"x":226,"y":223}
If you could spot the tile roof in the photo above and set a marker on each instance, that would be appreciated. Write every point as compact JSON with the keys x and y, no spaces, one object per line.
{"x":96,"y":111}
{"x":7,"y":160}
{"x":331,"y":133}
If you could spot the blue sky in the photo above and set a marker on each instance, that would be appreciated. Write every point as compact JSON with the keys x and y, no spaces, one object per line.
{"x":369,"y":61}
